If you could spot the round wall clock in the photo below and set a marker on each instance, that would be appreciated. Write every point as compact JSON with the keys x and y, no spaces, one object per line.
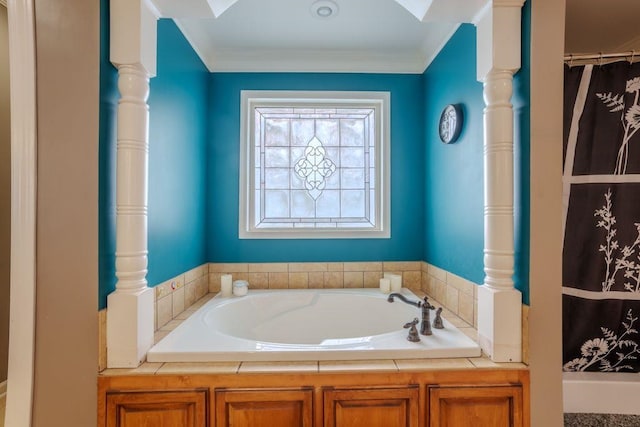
{"x":450,"y":123}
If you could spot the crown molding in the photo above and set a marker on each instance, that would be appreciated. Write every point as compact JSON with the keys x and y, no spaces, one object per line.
{"x":321,"y":61}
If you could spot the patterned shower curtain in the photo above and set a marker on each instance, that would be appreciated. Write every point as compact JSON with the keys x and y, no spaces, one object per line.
{"x":601,"y":253}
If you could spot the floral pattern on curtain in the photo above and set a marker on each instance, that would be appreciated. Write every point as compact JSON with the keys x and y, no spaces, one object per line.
{"x":601,"y":198}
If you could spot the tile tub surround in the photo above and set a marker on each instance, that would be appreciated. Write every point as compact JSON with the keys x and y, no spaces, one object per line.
{"x":458,"y":295}
{"x":102,"y":340}
{"x":313,"y":275}
{"x":175,"y":295}
{"x":174,"y":298}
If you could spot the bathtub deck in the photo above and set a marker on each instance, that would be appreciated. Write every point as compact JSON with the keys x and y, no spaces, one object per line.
{"x":314,"y":366}
{"x":277,"y":335}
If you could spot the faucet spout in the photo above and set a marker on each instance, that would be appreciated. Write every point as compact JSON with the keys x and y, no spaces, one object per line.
{"x":404,"y":299}
{"x":424,"y":305}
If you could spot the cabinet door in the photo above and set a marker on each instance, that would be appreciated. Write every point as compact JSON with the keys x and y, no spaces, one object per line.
{"x":157,"y":408}
{"x":490,"y":406}
{"x":389,"y":407}
{"x":264,"y":408}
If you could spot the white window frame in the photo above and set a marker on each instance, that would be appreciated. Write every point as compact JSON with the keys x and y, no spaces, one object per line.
{"x":379,"y":101}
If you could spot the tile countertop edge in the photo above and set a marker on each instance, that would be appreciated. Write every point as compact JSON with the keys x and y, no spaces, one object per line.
{"x":384,"y":365}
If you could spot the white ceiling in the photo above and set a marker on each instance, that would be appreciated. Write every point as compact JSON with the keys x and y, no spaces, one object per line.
{"x":284,"y":35}
{"x":397,"y":36}
{"x":607,"y":26}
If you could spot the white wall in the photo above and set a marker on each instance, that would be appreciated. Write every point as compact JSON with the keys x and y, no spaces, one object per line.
{"x":67,"y":90}
{"x":545,"y":277}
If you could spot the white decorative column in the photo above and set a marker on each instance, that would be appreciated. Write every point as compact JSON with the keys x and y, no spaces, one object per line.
{"x":130,"y":325}
{"x":499,"y":303}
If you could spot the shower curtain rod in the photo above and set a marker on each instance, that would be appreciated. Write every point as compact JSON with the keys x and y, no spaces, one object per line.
{"x":630,"y":55}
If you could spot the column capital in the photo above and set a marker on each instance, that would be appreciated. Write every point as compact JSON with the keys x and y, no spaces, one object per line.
{"x":498,"y":41}
{"x":133,"y":34}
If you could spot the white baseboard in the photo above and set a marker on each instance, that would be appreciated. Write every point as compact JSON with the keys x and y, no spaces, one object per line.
{"x":601,"y":393}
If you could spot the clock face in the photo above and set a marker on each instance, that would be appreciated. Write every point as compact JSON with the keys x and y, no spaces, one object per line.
{"x":450,"y":123}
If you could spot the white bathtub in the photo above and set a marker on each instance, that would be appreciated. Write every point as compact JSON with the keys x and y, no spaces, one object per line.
{"x":310,"y":324}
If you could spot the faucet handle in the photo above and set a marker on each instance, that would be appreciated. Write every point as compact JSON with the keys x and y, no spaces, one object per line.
{"x":413,"y":331}
{"x":437,"y":322}
{"x":426,"y":304}
{"x":414,"y":322}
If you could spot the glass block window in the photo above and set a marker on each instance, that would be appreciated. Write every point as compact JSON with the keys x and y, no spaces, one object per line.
{"x":314,"y":165}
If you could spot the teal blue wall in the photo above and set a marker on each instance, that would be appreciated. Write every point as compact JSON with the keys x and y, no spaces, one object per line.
{"x":177,"y":159}
{"x":454,"y":224}
{"x":107,"y":164}
{"x":407,"y":185}
{"x":454,"y":227}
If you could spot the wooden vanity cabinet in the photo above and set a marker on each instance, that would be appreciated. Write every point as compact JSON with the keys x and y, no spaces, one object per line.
{"x":264,"y":408}
{"x":478,"y":406}
{"x":383,"y":407}
{"x":429,"y":398}
{"x":185,"y":408}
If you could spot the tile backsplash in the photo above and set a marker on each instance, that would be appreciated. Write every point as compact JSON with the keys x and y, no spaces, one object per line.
{"x":179,"y":293}
{"x":458,"y":295}
{"x":313,"y":275}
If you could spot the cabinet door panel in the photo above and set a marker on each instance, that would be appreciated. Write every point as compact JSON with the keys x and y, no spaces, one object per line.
{"x":157,"y":409}
{"x":491,"y":406}
{"x":264,"y":408}
{"x":371,"y":408}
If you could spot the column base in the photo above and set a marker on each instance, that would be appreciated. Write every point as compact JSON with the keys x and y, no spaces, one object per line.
{"x":129,"y":327}
{"x":500,"y":323}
